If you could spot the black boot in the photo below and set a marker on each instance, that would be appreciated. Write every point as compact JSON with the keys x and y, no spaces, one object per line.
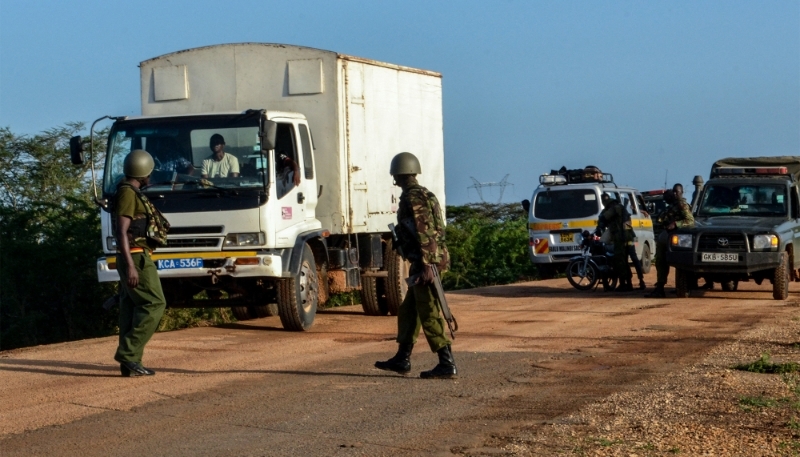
{"x":401,"y":362}
{"x":641,"y":283}
{"x":446,"y":367}
{"x":625,"y":286}
{"x":130,"y":369}
{"x":658,"y":292}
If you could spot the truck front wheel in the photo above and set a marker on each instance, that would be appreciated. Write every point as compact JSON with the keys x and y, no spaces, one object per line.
{"x":298,"y":297}
{"x":780,"y":281}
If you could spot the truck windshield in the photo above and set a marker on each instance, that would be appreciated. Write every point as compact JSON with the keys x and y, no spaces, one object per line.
{"x":182,"y":149}
{"x":565,"y":204}
{"x":764,"y":200}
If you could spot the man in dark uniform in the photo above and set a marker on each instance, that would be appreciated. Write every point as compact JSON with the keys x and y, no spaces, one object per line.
{"x":141,"y":302}
{"x":677,"y":215}
{"x":421,"y":237}
{"x":613,"y":219}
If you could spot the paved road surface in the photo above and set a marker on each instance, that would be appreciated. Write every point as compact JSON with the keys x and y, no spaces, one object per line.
{"x":528,"y":354}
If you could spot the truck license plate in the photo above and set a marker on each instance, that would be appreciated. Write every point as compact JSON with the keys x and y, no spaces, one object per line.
{"x":567,"y":237}
{"x":719,"y":257}
{"x":173,"y":264}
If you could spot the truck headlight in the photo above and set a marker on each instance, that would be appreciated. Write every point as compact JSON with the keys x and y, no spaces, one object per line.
{"x":245,"y":239}
{"x":681,"y":240}
{"x":762,"y":242}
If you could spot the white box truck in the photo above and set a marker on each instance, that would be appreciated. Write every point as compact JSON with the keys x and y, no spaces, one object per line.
{"x":258,"y":242}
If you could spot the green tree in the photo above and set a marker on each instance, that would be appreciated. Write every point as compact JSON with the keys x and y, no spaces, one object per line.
{"x":49,"y":232}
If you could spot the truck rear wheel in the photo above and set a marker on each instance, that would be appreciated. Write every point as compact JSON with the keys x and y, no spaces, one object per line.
{"x":298,"y":297}
{"x":241,"y":313}
{"x":395,"y":283}
{"x":647,"y":258}
{"x":373,"y":296}
{"x":268,"y":310}
{"x":682,"y":283}
{"x":780,"y":281}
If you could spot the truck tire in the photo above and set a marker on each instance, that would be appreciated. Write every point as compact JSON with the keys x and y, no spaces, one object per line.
{"x":647,"y":258}
{"x":373,"y":296}
{"x":729,"y":286}
{"x":268,"y":310}
{"x":395,"y":284}
{"x":780,"y":281}
{"x":298,"y":297}
{"x":682,"y":281}
{"x":241,"y":313}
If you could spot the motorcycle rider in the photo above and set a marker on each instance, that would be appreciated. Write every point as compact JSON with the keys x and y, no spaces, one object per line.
{"x":613,"y":218}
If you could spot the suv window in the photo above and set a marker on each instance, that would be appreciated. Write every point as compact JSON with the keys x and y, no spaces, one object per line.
{"x":565,"y":204}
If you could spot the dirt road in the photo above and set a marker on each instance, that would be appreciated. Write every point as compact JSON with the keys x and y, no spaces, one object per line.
{"x":529,"y":354}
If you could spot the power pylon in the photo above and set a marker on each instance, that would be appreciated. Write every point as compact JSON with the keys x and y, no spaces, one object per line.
{"x":478,"y":186}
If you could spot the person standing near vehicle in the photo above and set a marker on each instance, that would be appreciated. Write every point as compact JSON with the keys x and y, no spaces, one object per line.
{"x":139,"y":228}
{"x":420,"y":233}
{"x":677,"y":215}
{"x":613,"y":219}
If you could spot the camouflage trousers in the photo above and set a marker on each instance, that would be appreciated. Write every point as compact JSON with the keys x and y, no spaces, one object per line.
{"x":140,"y":309}
{"x":621,"y":267}
{"x":662,"y":267}
{"x":421,"y":309}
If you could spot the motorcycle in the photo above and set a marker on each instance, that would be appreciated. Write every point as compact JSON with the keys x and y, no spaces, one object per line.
{"x":593,"y":265}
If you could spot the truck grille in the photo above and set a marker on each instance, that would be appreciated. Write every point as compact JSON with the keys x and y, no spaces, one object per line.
{"x":710,"y":242}
{"x":193,"y":242}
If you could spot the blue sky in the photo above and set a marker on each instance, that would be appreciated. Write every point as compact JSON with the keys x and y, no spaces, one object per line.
{"x":642,"y":89}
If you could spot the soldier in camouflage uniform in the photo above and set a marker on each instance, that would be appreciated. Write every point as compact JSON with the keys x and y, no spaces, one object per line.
{"x":677,"y":215}
{"x":613,"y":218}
{"x":420,"y":232}
{"x":141,"y":302}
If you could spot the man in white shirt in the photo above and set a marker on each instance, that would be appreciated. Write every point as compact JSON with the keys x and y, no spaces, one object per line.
{"x":219,"y":165}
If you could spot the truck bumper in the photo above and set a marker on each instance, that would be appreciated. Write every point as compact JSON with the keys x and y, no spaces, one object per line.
{"x":236,"y":264}
{"x":749,"y":262}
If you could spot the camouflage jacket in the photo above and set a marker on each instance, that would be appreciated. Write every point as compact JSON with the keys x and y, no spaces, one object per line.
{"x":679,"y":212}
{"x":421,"y":228}
{"x":618,"y":222}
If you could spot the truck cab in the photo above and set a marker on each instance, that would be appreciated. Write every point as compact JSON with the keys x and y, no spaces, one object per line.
{"x":565,"y":203}
{"x":746,"y":227}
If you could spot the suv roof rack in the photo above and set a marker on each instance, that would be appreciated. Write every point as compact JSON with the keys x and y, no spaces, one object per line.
{"x":576,"y":176}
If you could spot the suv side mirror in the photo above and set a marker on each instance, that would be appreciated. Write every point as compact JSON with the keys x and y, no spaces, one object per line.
{"x":526,"y":205}
{"x":269,"y":130}
{"x":651,"y":207}
{"x":76,"y":150}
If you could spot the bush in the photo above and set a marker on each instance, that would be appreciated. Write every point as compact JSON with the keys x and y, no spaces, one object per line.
{"x":488,"y":245}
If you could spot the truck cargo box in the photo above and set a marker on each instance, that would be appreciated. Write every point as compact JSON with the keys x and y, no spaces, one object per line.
{"x":362,"y":112}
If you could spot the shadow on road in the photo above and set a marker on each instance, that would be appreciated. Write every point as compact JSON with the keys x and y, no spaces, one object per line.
{"x":47,"y":367}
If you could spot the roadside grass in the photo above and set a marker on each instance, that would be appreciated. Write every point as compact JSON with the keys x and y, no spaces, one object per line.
{"x":765,"y":365}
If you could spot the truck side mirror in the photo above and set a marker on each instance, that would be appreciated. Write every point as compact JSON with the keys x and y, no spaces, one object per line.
{"x":526,"y":205}
{"x":76,"y":150}
{"x":269,"y":130}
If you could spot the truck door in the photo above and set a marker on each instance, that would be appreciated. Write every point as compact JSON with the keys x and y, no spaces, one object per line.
{"x":291,"y":192}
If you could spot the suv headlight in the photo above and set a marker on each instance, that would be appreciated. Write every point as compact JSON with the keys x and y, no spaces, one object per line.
{"x":681,"y":241}
{"x":763,"y":242}
{"x":245,"y":239}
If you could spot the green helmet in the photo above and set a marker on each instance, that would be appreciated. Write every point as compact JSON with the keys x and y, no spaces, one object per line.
{"x":405,"y":163}
{"x":138,"y":164}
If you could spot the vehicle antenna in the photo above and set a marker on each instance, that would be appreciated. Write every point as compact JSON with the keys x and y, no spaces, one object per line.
{"x":666,"y":173}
